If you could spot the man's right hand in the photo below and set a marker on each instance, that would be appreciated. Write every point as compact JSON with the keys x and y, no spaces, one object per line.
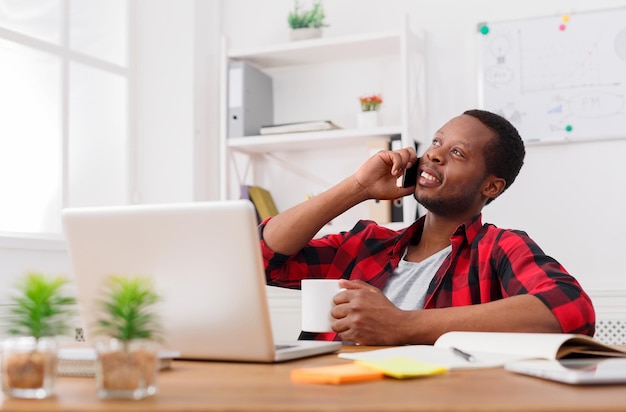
{"x":378,"y":176}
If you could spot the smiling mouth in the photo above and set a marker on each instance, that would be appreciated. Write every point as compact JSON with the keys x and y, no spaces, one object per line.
{"x":428,"y":176}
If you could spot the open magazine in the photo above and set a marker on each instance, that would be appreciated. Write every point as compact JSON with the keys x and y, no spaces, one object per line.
{"x":472,"y":350}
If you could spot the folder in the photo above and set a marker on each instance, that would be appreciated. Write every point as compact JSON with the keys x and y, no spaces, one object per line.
{"x":250,"y":100}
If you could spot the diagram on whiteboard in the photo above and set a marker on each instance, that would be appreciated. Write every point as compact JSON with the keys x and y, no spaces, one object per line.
{"x":557,"y":78}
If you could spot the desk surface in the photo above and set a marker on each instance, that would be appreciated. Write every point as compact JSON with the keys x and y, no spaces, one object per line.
{"x":213,"y":386}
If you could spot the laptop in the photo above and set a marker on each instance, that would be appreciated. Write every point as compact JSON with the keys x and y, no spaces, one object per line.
{"x":205,"y":261}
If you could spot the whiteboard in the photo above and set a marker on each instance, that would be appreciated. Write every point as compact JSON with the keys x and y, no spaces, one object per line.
{"x":558,"y":78}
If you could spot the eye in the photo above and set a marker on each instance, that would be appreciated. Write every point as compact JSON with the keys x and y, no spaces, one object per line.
{"x":457,"y":152}
{"x":436,"y":142}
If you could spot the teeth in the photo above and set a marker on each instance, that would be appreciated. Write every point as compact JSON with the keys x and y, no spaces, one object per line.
{"x":429,"y":177}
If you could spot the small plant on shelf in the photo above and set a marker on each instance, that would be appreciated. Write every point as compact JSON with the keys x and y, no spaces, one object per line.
{"x":40,"y":311}
{"x":300,"y":18}
{"x":128,"y":363}
{"x":371,"y":102}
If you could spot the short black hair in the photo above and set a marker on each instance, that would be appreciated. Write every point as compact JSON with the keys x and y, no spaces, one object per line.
{"x":504,"y":157}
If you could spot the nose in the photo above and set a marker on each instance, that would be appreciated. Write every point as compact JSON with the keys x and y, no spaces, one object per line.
{"x":435,"y":156}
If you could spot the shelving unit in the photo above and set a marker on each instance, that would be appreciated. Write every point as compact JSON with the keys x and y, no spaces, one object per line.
{"x":321,"y":79}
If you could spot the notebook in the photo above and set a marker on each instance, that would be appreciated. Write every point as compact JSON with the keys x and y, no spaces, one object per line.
{"x":205,"y":261}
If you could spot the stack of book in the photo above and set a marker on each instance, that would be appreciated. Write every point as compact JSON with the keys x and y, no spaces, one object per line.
{"x":299,"y":127}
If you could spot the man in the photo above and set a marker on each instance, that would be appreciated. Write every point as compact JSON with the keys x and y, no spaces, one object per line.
{"x":445,"y":272}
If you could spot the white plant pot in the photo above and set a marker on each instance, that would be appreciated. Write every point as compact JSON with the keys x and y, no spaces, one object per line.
{"x":305,"y":33}
{"x":367,"y":120}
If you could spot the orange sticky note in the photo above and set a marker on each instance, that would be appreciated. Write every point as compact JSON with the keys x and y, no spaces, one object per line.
{"x":335,"y":374}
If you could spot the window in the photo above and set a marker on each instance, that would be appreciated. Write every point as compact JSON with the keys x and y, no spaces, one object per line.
{"x":64,"y":109}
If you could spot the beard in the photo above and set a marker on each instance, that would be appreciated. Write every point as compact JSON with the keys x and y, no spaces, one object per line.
{"x":457,"y":203}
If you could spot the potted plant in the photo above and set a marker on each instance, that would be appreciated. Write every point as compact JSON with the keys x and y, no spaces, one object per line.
{"x":40,"y":311}
{"x":368,"y":116}
{"x":306,"y":23}
{"x":127,"y":364}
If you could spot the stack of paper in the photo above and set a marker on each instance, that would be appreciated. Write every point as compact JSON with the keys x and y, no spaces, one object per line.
{"x":82,"y":361}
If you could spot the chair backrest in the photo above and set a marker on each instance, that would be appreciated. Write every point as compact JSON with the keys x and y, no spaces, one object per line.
{"x":611,"y":331}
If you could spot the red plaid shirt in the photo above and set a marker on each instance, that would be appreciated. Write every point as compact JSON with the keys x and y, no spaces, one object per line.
{"x":486,"y":264}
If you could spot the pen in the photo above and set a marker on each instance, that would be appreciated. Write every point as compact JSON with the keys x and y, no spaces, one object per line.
{"x":467,"y":356}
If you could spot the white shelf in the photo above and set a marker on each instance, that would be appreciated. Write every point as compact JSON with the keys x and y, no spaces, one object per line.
{"x":305,"y":73}
{"x":310,"y":140}
{"x":323,"y":50}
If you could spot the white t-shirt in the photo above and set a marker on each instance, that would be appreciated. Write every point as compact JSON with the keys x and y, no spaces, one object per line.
{"x":408,"y":284}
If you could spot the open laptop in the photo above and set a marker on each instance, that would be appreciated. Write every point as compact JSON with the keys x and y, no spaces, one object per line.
{"x":205,"y":260}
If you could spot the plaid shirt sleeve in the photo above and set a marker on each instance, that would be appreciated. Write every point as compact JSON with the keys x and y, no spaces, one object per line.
{"x":366,"y":252}
{"x":526,"y":268}
{"x":488,"y":263}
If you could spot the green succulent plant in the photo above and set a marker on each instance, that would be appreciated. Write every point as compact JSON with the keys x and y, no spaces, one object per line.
{"x":300,"y":18}
{"x":127,"y":309}
{"x":40,"y":308}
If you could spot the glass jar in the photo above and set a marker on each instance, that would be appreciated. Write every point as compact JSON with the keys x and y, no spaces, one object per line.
{"x":126,"y":369}
{"x":29,"y":367}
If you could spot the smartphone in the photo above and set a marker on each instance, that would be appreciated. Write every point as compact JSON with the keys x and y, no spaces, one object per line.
{"x":410,"y":175}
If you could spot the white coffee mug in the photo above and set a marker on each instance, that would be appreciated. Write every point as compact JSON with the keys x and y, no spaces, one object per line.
{"x":317,"y":302}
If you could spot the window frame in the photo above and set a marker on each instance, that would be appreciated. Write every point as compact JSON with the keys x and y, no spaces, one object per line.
{"x":67,"y":56}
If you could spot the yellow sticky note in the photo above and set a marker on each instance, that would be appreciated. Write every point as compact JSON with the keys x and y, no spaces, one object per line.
{"x":335,"y":374}
{"x":401,"y":367}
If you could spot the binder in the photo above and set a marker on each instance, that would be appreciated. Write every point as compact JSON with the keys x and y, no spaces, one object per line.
{"x":379,"y":210}
{"x":397,"y":210}
{"x":250,"y":99}
{"x":263,"y":202}
{"x":244,"y":193}
{"x":397,"y":205}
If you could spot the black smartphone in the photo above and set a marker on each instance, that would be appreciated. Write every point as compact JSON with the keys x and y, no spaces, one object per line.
{"x":410,"y":175}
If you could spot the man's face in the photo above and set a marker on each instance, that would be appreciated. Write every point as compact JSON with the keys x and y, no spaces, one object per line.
{"x":452,"y":171}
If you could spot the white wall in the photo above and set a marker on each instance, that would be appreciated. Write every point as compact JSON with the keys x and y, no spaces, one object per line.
{"x":568,"y":197}
{"x":175,"y":58}
{"x":163,"y":63}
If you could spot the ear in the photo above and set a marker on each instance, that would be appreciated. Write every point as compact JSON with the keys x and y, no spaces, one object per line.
{"x":493,"y":186}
